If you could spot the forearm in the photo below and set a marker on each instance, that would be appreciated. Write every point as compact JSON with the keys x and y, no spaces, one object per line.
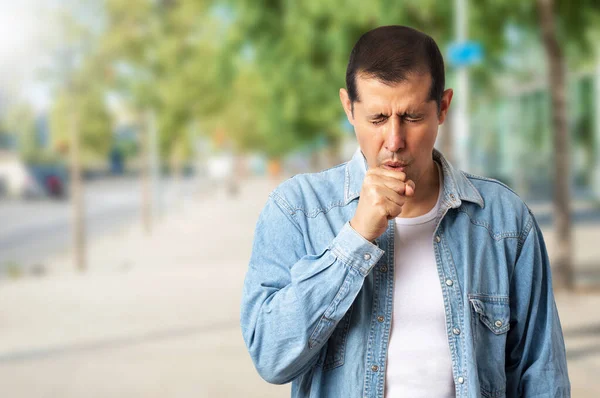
{"x":285,"y":327}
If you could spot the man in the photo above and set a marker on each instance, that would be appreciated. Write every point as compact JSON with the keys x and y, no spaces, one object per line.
{"x":395,"y":274}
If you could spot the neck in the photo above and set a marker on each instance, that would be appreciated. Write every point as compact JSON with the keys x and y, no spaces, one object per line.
{"x":426,"y":193}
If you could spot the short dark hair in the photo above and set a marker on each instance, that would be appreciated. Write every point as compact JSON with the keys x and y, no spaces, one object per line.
{"x":390,"y":53}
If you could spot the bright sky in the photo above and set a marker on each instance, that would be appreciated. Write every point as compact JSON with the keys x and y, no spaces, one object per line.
{"x":24,"y":33}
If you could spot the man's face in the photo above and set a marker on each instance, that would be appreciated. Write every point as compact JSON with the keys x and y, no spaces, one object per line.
{"x":396,"y":125}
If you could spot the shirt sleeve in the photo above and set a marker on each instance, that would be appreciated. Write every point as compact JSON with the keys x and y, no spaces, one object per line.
{"x":292,"y":301}
{"x":536,"y":363}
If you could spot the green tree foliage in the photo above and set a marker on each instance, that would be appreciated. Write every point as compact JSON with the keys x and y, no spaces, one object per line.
{"x":268,"y":74}
{"x":265,"y":75}
{"x":92,"y":120}
{"x":79,"y":77}
{"x":19,"y":122}
{"x":163,"y":60}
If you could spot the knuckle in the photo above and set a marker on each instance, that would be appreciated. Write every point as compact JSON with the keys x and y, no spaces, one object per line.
{"x":372,"y":190}
{"x":383,"y":211}
{"x":378,"y":201}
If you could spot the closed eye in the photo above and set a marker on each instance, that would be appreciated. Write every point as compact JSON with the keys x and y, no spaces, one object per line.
{"x":415,"y":119}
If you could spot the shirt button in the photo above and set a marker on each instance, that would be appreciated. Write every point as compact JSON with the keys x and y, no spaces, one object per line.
{"x":449,"y":282}
{"x":383,"y":268}
{"x":498,"y":324}
{"x":461,"y":380}
{"x":380,"y":318}
{"x":367,"y":257}
{"x":456,"y":331}
{"x":374,"y":368}
{"x":438,"y":239}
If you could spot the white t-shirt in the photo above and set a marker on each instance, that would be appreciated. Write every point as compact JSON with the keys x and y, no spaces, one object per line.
{"x":419,"y":362}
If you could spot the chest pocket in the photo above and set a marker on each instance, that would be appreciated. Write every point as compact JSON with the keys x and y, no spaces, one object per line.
{"x":336,"y":345}
{"x":491,"y":322}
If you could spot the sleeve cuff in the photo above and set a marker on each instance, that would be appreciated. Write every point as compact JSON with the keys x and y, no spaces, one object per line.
{"x":355,"y":251}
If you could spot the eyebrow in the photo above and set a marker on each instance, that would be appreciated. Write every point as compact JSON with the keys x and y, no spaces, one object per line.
{"x":413,"y":115}
{"x":378,"y":116}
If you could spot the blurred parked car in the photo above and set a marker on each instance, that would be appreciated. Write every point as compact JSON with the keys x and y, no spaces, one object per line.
{"x":19,"y":180}
{"x":53,"y":178}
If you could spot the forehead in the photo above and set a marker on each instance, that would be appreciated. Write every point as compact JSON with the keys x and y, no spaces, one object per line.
{"x":413,"y":92}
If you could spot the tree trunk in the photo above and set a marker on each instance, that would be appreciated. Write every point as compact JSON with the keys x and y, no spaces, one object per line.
{"x":147,"y":187}
{"x":78,"y":213}
{"x":563,"y":262}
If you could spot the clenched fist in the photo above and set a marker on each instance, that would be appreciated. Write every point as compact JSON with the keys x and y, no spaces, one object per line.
{"x":382,"y":196}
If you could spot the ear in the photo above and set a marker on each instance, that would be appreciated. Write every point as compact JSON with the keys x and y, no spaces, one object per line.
{"x":445,"y":105}
{"x":347,"y":104}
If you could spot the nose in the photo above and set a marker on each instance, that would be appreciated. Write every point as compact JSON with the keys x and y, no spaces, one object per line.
{"x":395,"y":135}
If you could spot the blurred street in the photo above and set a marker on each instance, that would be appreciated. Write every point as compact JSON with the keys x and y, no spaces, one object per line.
{"x":158,"y":316}
{"x":153,"y":317}
{"x":33,"y":230}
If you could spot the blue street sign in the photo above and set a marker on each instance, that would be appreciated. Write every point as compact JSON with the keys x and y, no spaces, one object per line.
{"x":465,"y":53}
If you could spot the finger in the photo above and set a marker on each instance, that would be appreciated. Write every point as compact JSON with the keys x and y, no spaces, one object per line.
{"x":379,"y":171}
{"x":409,"y":190}
{"x":392,"y":183}
{"x":389,"y":202}
{"x":393,"y":196}
{"x":393,"y":210}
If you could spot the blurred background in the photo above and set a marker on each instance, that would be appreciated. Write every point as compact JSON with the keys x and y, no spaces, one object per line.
{"x":139,"y":140}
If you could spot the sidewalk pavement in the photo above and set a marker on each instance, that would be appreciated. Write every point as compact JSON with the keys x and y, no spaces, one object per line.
{"x":158,"y":316}
{"x":153,"y":316}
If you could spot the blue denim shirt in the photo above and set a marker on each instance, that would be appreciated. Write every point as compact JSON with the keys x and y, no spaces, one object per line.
{"x":317,"y":299}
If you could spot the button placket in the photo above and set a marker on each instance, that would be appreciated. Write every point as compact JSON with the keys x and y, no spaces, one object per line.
{"x":451,"y":292}
{"x":378,"y":342}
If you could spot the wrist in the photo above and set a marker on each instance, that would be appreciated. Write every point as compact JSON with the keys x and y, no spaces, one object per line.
{"x":356,"y":227}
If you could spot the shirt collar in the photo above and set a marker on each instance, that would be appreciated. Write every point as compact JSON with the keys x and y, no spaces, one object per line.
{"x":457,"y":186}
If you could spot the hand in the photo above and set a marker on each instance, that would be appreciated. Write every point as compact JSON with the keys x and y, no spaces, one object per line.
{"x":382,"y":196}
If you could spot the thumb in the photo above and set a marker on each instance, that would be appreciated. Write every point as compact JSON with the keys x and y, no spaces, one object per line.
{"x":409,"y":190}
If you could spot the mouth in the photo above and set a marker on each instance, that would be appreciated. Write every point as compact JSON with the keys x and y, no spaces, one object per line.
{"x":398,"y":166}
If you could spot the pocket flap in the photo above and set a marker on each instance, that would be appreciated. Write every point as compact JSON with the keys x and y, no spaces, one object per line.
{"x":494,"y":312}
